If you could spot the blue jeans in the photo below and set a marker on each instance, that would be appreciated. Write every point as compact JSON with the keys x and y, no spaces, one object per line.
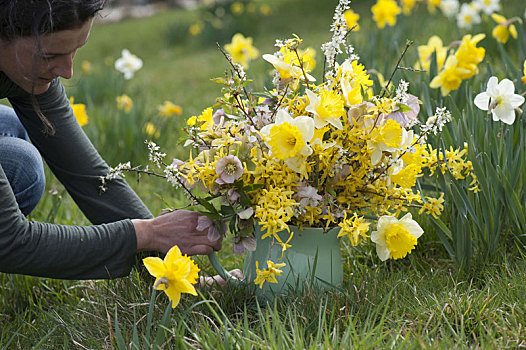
{"x":21,"y":161}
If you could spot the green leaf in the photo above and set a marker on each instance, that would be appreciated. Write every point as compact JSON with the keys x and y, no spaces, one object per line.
{"x":207,"y":205}
{"x":445,"y":236}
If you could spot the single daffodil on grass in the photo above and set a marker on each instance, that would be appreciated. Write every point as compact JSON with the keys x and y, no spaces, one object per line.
{"x":79,"y":110}
{"x":174,"y":275}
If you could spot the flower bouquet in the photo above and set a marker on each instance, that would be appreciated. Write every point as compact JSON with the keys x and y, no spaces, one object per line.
{"x":336,"y":153}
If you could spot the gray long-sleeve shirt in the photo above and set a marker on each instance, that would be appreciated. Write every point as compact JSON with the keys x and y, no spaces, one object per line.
{"x":104,"y":250}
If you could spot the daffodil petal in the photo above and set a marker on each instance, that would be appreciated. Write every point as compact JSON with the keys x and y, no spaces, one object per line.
{"x":155,"y":266}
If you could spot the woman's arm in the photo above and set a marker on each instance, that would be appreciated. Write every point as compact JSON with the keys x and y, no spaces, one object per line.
{"x":74,"y":160}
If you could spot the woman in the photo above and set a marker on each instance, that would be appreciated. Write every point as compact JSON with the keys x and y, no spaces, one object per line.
{"x":38,"y":41}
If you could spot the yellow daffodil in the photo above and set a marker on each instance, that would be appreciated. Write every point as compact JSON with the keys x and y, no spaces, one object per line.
{"x":450,"y":77}
{"x":504,"y":29}
{"x":241,"y":50}
{"x":167,"y":109}
{"x":174,"y":275}
{"x":468,"y":55}
{"x":265,"y":10}
{"x":269,"y":274}
{"x":151,"y":130}
{"x":79,"y":110}
{"x":196,"y":28}
{"x":327,"y":108}
{"x":85,"y":67}
{"x":396,"y":238}
{"x":523,"y":79}
{"x":288,"y":137}
{"x":291,"y":67}
{"x":355,"y":228}
{"x":434,"y":44}
{"x":353,"y":80}
{"x":406,"y":177}
{"x":124,"y":102}
{"x":385,"y":12}
{"x":351,"y":18}
{"x":237,"y":8}
{"x":432,"y":5}
{"x":388,"y":137}
{"x":206,"y":118}
{"x":408,"y":6}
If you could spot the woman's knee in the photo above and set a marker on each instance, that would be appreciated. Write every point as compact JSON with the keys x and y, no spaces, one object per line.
{"x":10,"y":125}
{"x":24,"y":169}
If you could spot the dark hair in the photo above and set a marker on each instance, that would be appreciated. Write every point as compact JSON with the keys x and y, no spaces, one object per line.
{"x":23,"y":18}
{"x":20,"y":18}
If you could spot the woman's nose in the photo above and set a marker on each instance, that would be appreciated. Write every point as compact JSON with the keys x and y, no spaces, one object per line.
{"x":64,"y":66}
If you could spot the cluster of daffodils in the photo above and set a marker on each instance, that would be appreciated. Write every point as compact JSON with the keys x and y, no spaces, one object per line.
{"x":471,"y":13}
{"x":455,"y":67}
{"x":466,"y":14}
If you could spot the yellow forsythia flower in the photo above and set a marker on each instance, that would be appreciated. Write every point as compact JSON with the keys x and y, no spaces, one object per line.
{"x":79,"y":110}
{"x":385,"y":12}
{"x":241,"y":50}
{"x":174,"y":275}
{"x":355,"y":228}
{"x":433,"y":206}
{"x":124,"y":102}
{"x":269,"y":274}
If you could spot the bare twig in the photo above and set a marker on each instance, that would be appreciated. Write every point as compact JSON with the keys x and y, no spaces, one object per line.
{"x":407,"y":45}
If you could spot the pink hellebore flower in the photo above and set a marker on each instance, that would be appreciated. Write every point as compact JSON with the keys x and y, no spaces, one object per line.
{"x":406,"y":118}
{"x":204,"y":222}
{"x":229,"y":169}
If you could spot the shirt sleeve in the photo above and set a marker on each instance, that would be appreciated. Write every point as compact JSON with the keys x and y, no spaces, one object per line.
{"x":104,"y":250}
{"x":60,"y":251}
{"x":74,"y":161}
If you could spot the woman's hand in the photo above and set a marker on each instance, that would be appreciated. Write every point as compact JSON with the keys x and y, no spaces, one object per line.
{"x":174,"y":228}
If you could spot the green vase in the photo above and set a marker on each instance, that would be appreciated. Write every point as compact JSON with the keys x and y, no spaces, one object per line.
{"x":313,"y":260}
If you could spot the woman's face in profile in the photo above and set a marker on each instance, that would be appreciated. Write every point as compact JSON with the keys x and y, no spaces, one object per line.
{"x":32,"y":66}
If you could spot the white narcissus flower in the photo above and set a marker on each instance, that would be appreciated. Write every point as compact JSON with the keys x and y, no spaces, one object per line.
{"x":467,"y":16}
{"x":449,"y":7}
{"x":128,"y":64}
{"x":500,"y":100}
{"x":487,"y":6}
{"x":395,"y":238}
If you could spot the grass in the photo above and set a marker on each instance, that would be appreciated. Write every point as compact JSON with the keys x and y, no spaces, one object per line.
{"x":422,"y":301}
